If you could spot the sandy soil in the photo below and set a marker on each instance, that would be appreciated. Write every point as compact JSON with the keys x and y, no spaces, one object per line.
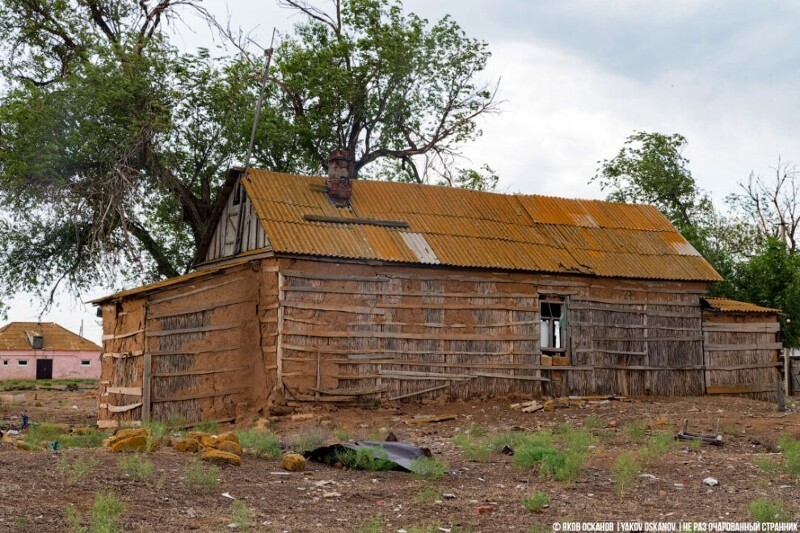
{"x":34,"y":492}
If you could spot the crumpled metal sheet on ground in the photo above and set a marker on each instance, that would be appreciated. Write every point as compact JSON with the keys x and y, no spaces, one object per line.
{"x":399,"y":453}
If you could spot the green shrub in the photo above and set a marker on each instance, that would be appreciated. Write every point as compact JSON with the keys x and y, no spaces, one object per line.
{"x":373,"y":525}
{"x":307,"y":442}
{"x":656,"y":447}
{"x":77,"y":470}
{"x":625,"y":471}
{"x":767,"y":465}
{"x":428,"y":468}
{"x":105,"y":514}
{"x":766,"y":511}
{"x":73,"y":520}
{"x":91,"y":438}
{"x":208,"y":426}
{"x":636,"y":431}
{"x":342,"y":435}
{"x":427,"y":496}
{"x":372,"y":459}
{"x":136,"y":467}
{"x":539,"y":451}
{"x":536,"y":502}
{"x":593,"y":422}
{"x":41,"y":435}
{"x":200,"y":477}
{"x":242,"y":516}
{"x":260,"y":443}
{"x":790,"y":448}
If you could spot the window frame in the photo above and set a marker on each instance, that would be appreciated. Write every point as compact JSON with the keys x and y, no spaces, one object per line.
{"x":22,"y":362}
{"x":86,"y":362}
{"x":562,"y":331}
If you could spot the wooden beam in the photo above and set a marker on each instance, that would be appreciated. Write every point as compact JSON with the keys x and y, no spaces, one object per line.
{"x":127,"y":391}
{"x":123,"y":408}
{"x":124,"y":355}
{"x":199,"y":309}
{"x":762,"y":327}
{"x":740,"y":389}
{"x":202,"y":329}
{"x":198,"y":372}
{"x":122,"y":336}
{"x":146,"y":375}
{"x":197,"y":396}
{"x":743,"y":347}
{"x":363,"y":221}
{"x":198,"y":291}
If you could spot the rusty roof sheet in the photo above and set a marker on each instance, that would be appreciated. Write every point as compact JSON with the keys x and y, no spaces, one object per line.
{"x":475,"y":229}
{"x":14,"y":336}
{"x":734,"y":306}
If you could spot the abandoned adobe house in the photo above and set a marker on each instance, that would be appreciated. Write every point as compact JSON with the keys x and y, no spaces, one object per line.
{"x":45,"y":350}
{"x":310,"y":289}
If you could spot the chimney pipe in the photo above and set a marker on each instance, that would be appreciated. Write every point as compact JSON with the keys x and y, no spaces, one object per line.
{"x":340,"y":185}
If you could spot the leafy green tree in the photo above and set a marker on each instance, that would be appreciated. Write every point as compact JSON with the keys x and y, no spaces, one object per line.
{"x":113,"y":143}
{"x":650,"y":168}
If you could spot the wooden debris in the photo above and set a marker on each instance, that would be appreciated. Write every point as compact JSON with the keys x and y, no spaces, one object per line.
{"x":714,"y":440}
{"x":528,"y":407}
{"x":428,"y":419}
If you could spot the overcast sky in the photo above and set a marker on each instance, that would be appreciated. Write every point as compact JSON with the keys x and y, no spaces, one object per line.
{"x":579,"y":76}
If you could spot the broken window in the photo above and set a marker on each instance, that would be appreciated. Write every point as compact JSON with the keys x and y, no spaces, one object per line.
{"x":553,"y":324}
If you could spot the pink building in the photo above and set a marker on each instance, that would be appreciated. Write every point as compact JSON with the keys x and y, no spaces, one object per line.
{"x":45,"y":350}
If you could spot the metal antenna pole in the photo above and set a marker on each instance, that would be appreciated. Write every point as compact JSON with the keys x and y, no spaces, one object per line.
{"x":264,"y":78}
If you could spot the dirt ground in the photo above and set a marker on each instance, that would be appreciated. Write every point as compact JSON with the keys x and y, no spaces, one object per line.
{"x":34,"y":493}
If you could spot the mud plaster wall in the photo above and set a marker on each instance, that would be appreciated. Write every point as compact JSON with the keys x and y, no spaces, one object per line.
{"x":407,"y":332}
{"x":742,"y":352}
{"x":203,"y":338}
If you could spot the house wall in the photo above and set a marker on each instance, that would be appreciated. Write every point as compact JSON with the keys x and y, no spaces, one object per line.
{"x":742,"y":352}
{"x":65,"y":364}
{"x":353,"y":330}
{"x":191,"y":351}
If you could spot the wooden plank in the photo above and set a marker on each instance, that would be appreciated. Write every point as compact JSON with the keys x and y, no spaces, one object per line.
{"x":124,"y":355}
{"x":383,"y":292}
{"x":279,"y":330}
{"x":203,"y":329}
{"x":412,"y":336}
{"x":201,"y":289}
{"x":146,"y":388}
{"x":363,"y":221}
{"x":743,"y":347}
{"x":740,"y":389}
{"x":213,"y":394}
{"x":199,"y":309}
{"x":352,"y":309}
{"x":418,"y":324}
{"x":349,"y":392}
{"x":198,"y":372}
{"x":122,"y":336}
{"x":417,"y":393}
{"x":748,"y":366}
{"x":127,"y":391}
{"x":198,"y":351}
{"x":690,"y":338}
{"x":764,"y":327}
{"x":123,"y":408}
{"x":387,"y":353}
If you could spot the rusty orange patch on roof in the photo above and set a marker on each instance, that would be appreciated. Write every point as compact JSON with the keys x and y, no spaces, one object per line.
{"x":735,"y":306}
{"x":466,"y":228}
{"x":16,"y":336}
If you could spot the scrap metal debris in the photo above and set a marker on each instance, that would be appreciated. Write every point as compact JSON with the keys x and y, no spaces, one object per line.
{"x":714,"y":440}
{"x":399,"y":453}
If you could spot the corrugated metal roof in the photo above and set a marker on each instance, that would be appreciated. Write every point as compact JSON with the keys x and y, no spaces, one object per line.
{"x":734,"y":306}
{"x":14,"y":336}
{"x":475,"y":229}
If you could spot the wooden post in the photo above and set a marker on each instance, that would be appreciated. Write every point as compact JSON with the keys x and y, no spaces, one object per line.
{"x":786,"y":372}
{"x":279,"y":340}
{"x":319,"y":380}
{"x":146,"y":377}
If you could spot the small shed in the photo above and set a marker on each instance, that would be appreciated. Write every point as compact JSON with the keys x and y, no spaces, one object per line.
{"x":45,"y":350}
{"x":315,"y":289}
{"x":742,"y":348}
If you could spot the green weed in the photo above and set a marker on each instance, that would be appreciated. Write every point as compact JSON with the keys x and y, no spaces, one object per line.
{"x":767,"y":511}
{"x":536,"y":502}
{"x":341,"y":434}
{"x":767,"y":465}
{"x":260,"y":443}
{"x":539,"y":450}
{"x":137,"y":467}
{"x":373,"y":525}
{"x":307,"y":442}
{"x":242,"y":516}
{"x":105,"y":513}
{"x":593,"y":422}
{"x":790,"y":448}
{"x":625,"y":471}
{"x":371,"y":459}
{"x":636,"y":431}
{"x":200,"y":477}
{"x":428,"y":468}
{"x":208,"y":426}
{"x":427,"y":496}
{"x":91,"y":438}
{"x":73,"y":519}
{"x":657,"y":446}
{"x":77,"y":470}
{"x":41,"y":435}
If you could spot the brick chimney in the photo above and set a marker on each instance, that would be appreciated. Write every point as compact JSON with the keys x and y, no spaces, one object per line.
{"x":340,"y":185}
